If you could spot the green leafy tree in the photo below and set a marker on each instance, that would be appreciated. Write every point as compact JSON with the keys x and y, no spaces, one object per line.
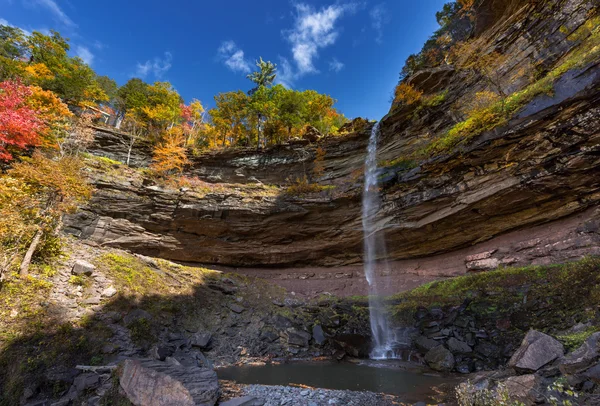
{"x":292,"y":108}
{"x":264,"y":76}
{"x":108,"y":86}
{"x":132,"y":96}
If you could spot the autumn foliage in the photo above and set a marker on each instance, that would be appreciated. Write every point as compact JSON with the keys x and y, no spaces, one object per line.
{"x":170,"y":155}
{"x":20,"y":124}
{"x":406,"y":94}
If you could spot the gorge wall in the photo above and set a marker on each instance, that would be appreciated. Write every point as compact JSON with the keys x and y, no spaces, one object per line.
{"x":525,"y":192}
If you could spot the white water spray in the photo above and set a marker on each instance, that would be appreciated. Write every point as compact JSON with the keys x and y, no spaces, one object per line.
{"x":374,"y":246}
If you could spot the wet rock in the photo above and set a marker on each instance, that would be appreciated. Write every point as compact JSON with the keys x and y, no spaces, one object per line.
{"x":457,"y":346}
{"x":269,"y":336}
{"x":537,"y":350}
{"x":488,"y":350}
{"x":425,"y":344}
{"x":440,"y":359}
{"x":298,"y":338}
{"x":155,"y":383}
{"x":201,"y":340}
{"x":82,"y":267}
{"x":318,"y":334}
{"x":583,"y":357}
{"x":280,"y":321}
{"x":355,"y":345}
{"x":162,"y":352}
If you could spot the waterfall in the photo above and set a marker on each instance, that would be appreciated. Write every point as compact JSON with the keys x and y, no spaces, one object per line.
{"x":374,"y":246}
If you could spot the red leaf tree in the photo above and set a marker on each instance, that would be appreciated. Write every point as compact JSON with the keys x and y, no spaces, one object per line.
{"x":19,"y":123}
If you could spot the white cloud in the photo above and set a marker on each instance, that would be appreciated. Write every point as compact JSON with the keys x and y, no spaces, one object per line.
{"x":379,"y":18}
{"x":233,"y":57}
{"x":335,"y":65}
{"x":314,"y":30}
{"x":157,"y":66}
{"x":57,"y":11}
{"x":285,"y":73}
{"x":25,"y":32}
{"x":85,"y":54}
{"x":99,"y":45}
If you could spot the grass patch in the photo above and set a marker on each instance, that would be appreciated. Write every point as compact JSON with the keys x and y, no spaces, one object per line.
{"x":302,"y":187}
{"x":575,"y":340}
{"x":401,"y":164}
{"x":556,"y":296}
{"x":134,"y":276}
{"x":79,"y":280}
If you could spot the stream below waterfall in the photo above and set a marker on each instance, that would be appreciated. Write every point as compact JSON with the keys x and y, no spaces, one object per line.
{"x":390,"y":377}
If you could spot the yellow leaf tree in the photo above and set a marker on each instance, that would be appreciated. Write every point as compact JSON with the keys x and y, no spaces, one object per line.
{"x":170,"y":155}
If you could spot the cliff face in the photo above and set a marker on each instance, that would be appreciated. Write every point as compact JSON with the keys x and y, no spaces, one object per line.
{"x":496,"y":199}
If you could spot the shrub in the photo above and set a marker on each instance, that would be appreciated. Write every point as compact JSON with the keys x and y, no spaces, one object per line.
{"x":468,"y":395}
{"x":406,"y":94}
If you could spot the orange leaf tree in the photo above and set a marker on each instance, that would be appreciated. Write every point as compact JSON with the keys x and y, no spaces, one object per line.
{"x":170,"y":155}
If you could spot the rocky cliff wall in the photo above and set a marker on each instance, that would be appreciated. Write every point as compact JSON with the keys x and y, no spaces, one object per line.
{"x":466,"y":209}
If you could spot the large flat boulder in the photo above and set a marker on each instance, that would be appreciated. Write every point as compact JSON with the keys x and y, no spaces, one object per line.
{"x":536,"y":350}
{"x":156,"y":383}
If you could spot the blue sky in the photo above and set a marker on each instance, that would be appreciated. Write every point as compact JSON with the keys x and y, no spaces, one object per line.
{"x":352,"y":50}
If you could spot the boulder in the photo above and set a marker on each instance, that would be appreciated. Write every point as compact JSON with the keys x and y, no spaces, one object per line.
{"x":583,"y":357}
{"x":155,"y":383}
{"x":440,"y":359}
{"x":536,"y":350}
{"x":524,"y":388}
{"x":243,"y":401}
{"x":424,"y":344}
{"x":457,"y":346}
{"x":201,"y":340}
{"x":161,"y":352}
{"x":318,"y":334}
{"x":82,"y":267}
{"x":298,"y":338}
{"x":355,"y":345}
{"x":311,"y":134}
{"x":109,"y":292}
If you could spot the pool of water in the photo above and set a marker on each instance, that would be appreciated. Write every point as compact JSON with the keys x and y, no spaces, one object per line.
{"x":394,"y":378}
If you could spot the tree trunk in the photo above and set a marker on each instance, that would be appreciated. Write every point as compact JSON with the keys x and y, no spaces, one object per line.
{"x":32,"y":247}
{"x":129,"y":150}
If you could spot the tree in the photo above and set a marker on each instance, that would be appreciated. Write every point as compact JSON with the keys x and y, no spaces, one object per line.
{"x":55,"y":115}
{"x":133,"y":95}
{"x":163,"y":108}
{"x":230,"y":117}
{"x":19,"y":123}
{"x":291,"y":109}
{"x":13,"y":45}
{"x":170,"y":154}
{"x":108,"y":86}
{"x":135,"y":128}
{"x":54,"y":187}
{"x":79,"y":136}
{"x":467,"y":56}
{"x":264,"y":76}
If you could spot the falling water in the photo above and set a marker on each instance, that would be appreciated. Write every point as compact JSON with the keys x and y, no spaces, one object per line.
{"x":374,"y":245}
